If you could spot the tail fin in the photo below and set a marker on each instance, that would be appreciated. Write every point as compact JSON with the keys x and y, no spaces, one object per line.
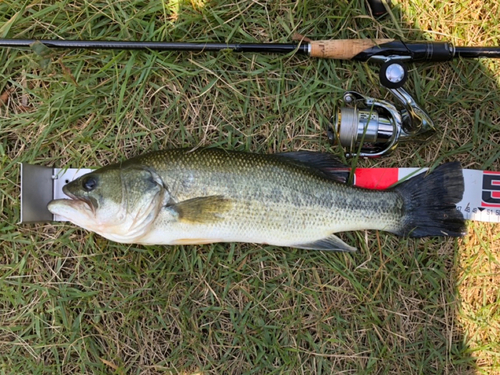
{"x":429,"y":203}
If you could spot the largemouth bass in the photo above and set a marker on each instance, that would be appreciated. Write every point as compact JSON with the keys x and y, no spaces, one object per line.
{"x":292,"y":199}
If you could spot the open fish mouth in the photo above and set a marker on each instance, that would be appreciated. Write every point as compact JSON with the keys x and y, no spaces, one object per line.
{"x":78,"y":200}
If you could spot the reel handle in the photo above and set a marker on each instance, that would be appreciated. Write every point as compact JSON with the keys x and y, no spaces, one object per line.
{"x":393,"y":74}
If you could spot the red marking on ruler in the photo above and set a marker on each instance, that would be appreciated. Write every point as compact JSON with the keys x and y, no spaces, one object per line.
{"x":376,"y":178}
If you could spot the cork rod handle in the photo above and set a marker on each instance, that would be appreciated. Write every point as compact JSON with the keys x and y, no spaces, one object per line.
{"x":344,"y":49}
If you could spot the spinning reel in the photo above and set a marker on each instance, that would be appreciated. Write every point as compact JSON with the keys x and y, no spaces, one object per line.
{"x":372,"y":127}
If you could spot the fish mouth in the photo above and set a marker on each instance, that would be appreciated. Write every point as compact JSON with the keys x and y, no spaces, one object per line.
{"x":74,"y":198}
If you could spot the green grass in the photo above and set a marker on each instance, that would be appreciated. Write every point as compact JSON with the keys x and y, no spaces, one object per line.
{"x":72,"y":302}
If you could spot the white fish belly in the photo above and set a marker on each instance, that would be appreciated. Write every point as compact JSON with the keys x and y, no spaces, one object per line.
{"x":272,"y":223}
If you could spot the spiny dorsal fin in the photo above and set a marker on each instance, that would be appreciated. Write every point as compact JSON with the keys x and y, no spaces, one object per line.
{"x":327,"y":164}
{"x":202,"y":209}
{"x":330,"y":243}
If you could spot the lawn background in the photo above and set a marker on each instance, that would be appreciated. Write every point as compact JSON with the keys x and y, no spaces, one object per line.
{"x":72,"y":302}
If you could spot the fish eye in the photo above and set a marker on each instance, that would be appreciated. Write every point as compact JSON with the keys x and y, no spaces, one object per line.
{"x":89,"y":183}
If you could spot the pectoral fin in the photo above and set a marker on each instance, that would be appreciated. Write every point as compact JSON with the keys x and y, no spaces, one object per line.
{"x":201,"y":209}
{"x":331,"y":243}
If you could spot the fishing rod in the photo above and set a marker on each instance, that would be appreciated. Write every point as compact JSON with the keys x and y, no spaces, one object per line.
{"x":344,"y":49}
{"x":373,"y":127}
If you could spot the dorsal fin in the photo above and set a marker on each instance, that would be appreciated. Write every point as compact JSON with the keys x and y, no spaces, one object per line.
{"x":329,"y":165}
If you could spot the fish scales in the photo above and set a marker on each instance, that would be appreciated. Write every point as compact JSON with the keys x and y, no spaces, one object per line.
{"x":212,"y":195}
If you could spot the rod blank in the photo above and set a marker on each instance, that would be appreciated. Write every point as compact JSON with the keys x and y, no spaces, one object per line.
{"x":159,"y":46}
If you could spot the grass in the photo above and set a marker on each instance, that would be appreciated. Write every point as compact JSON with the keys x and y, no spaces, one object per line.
{"x":74,"y":303}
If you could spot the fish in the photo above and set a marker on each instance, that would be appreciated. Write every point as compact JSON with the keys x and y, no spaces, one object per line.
{"x":292,"y":199}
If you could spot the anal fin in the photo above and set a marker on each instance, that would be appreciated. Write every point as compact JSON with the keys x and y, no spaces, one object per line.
{"x":330,"y":243}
